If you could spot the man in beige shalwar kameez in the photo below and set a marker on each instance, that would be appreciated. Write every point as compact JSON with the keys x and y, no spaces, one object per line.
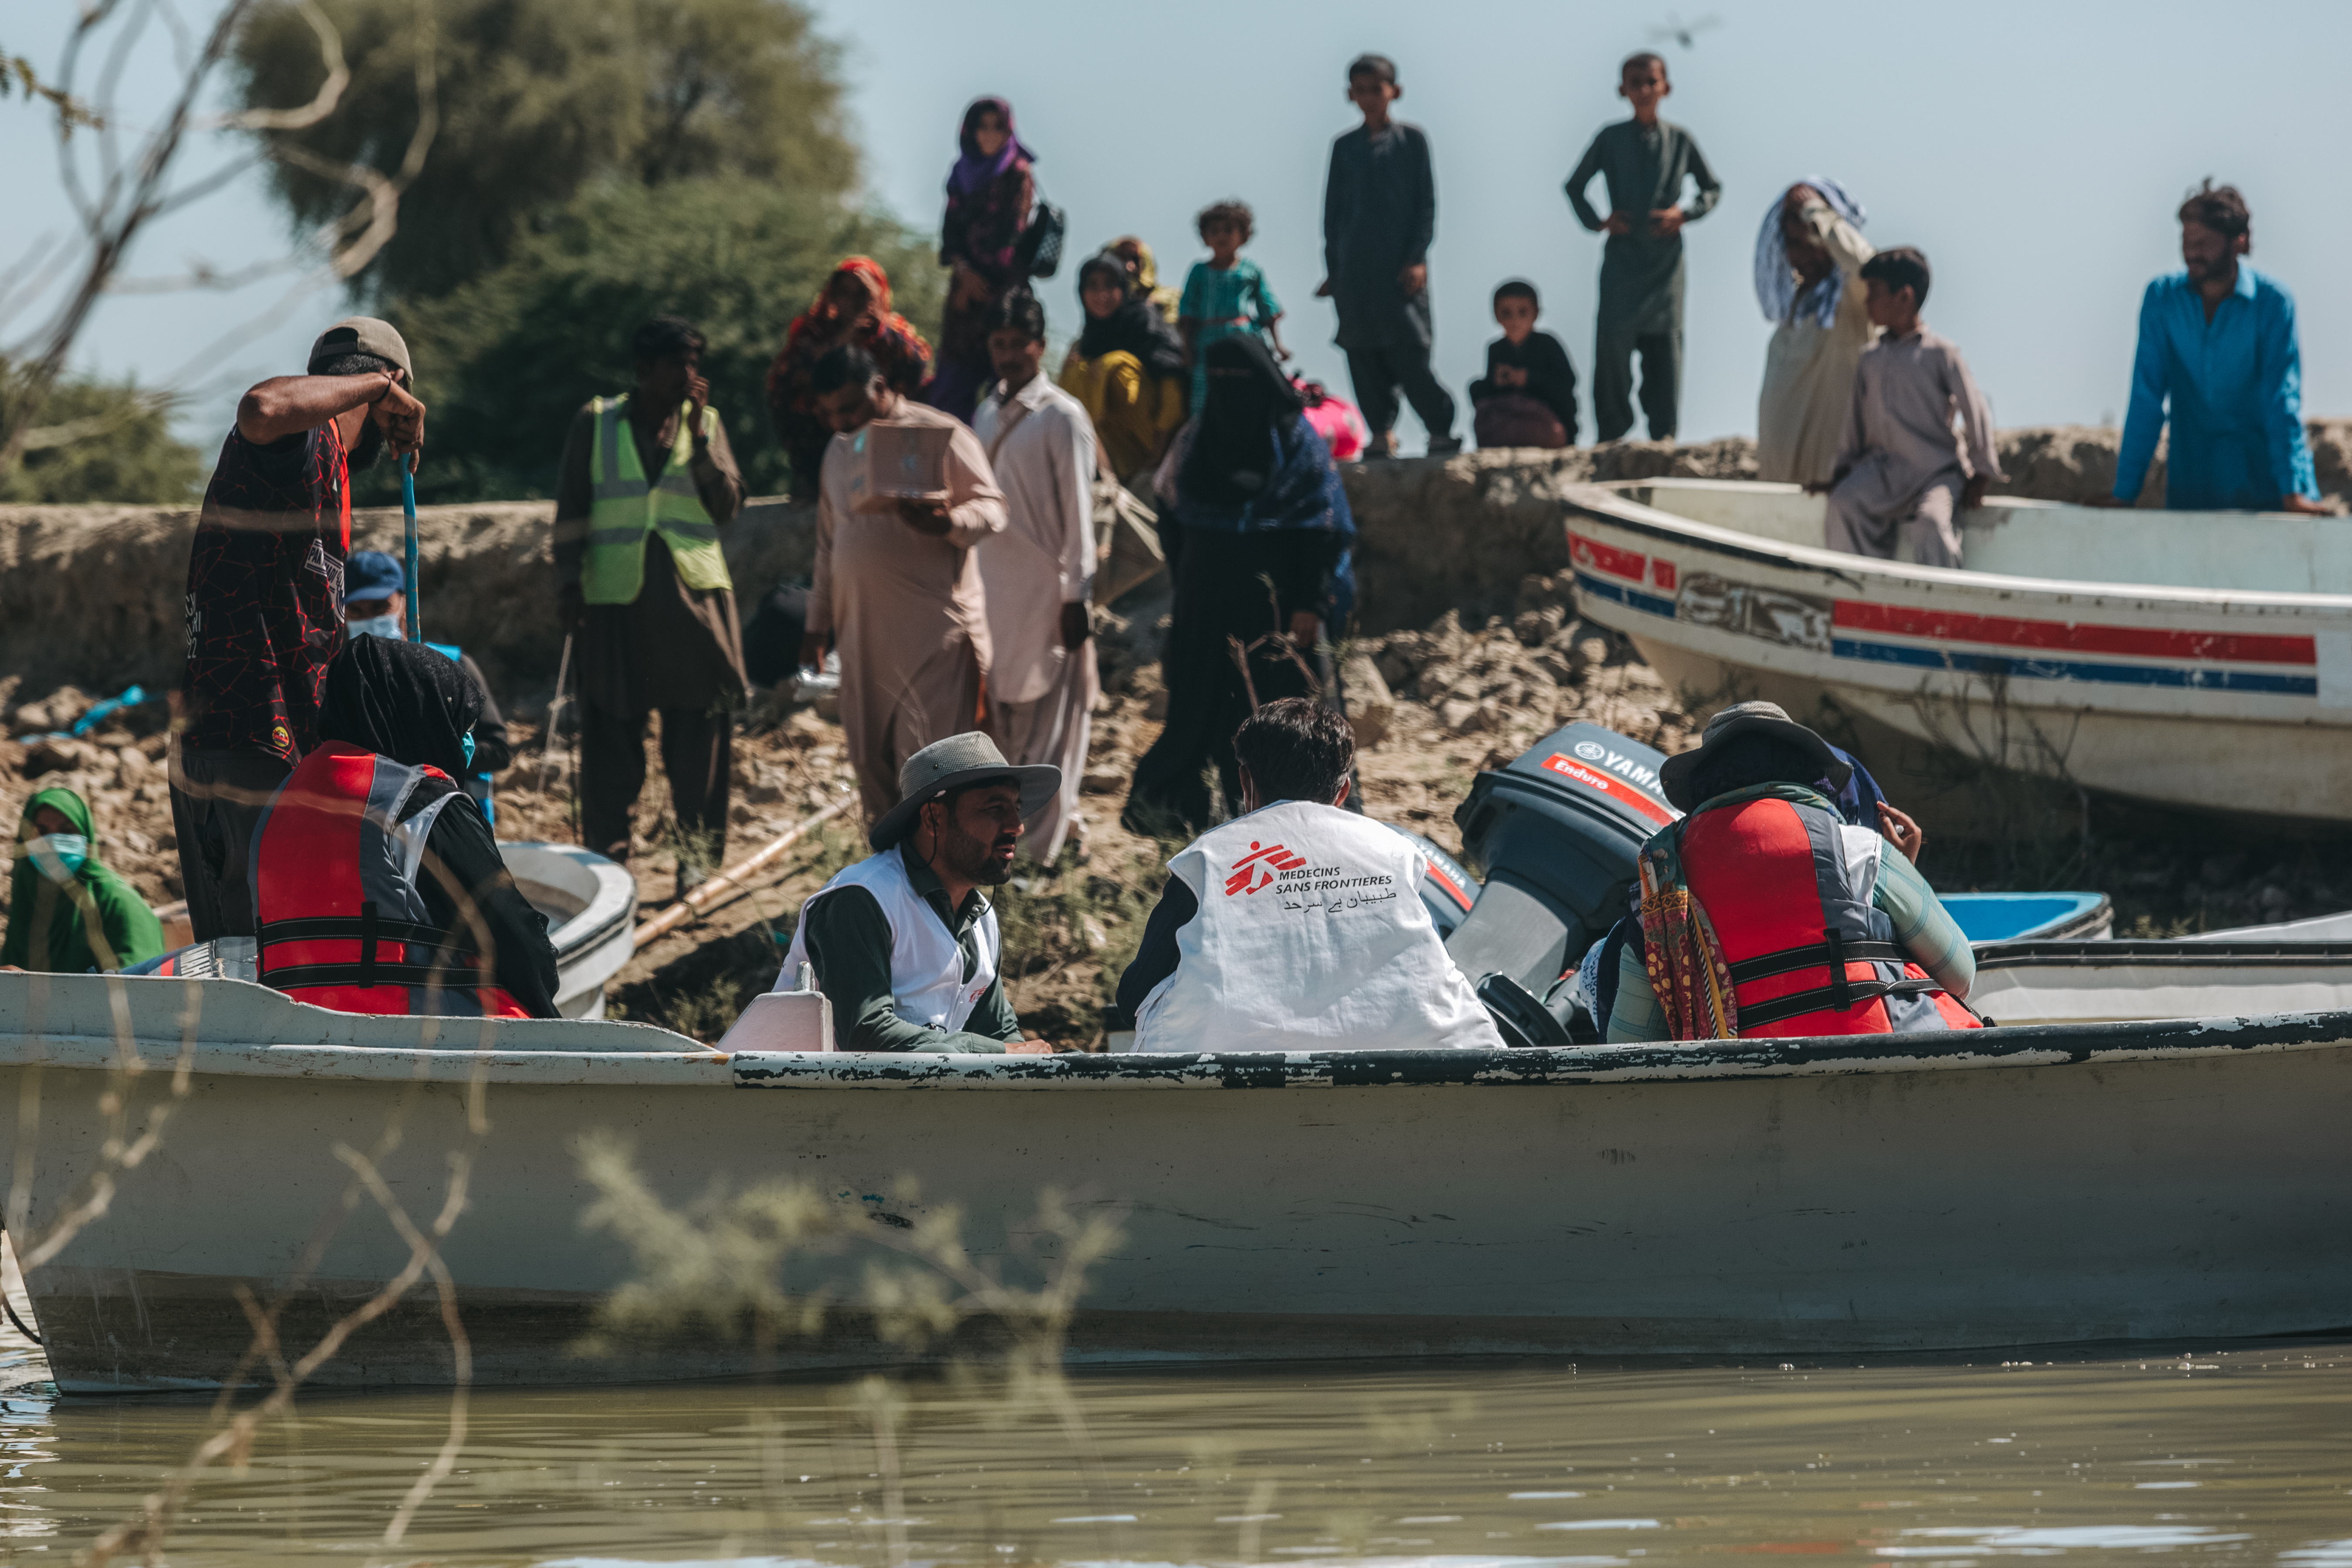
{"x":896,"y":589}
{"x":1039,"y":576}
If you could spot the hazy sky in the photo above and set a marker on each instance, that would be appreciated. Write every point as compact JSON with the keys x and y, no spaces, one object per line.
{"x":2035,"y":150}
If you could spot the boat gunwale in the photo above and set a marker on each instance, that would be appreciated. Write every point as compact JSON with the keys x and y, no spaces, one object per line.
{"x":2054,"y":1045}
{"x":1869,"y":573}
{"x":2160,"y":952}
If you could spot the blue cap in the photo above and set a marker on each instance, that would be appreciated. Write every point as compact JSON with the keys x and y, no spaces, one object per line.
{"x":373,"y":574}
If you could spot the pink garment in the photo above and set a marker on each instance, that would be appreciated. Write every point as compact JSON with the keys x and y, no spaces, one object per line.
{"x":1338,"y":421}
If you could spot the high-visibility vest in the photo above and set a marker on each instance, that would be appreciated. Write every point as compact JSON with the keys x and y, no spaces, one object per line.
{"x":624,"y":510}
{"x":338,"y":921}
{"x":1787,"y":888}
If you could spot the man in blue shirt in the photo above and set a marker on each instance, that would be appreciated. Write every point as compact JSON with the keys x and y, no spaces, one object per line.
{"x":2217,"y":340}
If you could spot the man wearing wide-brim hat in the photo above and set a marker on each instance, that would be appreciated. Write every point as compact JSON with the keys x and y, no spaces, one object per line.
{"x":1765,"y":914}
{"x":265,"y":597}
{"x":904,"y":943}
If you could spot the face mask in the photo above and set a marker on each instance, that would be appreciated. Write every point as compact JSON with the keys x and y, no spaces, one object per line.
{"x":385,"y":626}
{"x":59,"y":855}
{"x":469,"y":748}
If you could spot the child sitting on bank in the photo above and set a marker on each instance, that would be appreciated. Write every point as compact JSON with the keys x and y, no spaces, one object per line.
{"x":1901,"y":473}
{"x":1225,"y":294}
{"x":1527,"y":396}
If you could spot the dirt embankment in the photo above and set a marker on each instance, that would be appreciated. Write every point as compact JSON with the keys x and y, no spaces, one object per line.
{"x":93,"y":594}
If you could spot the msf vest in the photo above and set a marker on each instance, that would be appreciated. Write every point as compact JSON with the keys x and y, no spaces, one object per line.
{"x":1788,"y":888}
{"x":927,"y":980}
{"x":338,"y":921}
{"x":1312,"y":936}
{"x":624,"y":510}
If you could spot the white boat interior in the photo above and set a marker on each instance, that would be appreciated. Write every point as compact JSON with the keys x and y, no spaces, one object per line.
{"x":2287,"y":967}
{"x":590,"y":905}
{"x":2268,"y":552}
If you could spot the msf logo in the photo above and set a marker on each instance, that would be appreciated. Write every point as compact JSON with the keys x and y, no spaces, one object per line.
{"x":1260,"y":863}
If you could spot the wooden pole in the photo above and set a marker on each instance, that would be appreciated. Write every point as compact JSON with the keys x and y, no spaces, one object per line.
{"x":732,"y":878}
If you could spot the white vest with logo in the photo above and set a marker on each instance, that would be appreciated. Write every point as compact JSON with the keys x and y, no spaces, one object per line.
{"x":926,"y":979}
{"x":1312,"y":936}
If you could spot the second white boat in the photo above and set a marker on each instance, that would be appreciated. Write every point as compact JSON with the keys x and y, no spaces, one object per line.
{"x":2198,"y":659}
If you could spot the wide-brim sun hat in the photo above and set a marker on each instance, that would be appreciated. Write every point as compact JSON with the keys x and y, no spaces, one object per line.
{"x":1748,"y":719}
{"x":943,"y":765}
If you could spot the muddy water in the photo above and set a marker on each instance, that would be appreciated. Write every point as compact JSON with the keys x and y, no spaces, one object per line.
{"x":2242,"y":1454}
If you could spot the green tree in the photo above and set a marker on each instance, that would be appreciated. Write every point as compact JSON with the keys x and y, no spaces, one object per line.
{"x":505,"y":362}
{"x":102,"y":441}
{"x":540,"y":99}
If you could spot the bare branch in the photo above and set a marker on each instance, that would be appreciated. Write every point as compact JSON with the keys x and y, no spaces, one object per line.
{"x":461,"y":1347}
{"x":48,"y":436}
{"x":197,"y":191}
{"x":322,"y":104}
{"x":18,"y":75}
{"x":30,"y":273}
{"x":202,"y":274}
{"x":111,"y":234}
{"x":145,"y":1534}
{"x":368,"y":224}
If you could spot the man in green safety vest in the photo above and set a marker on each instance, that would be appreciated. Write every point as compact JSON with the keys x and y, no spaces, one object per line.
{"x":646,"y":481}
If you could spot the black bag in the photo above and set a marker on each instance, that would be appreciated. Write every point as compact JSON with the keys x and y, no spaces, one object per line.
{"x":1038,"y":252}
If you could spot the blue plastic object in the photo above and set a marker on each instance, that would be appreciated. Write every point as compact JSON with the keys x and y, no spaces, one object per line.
{"x":98,"y":714}
{"x":2023,"y":917}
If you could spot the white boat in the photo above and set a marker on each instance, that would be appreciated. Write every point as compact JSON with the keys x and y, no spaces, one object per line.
{"x":590,"y":905}
{"x":2196,"y":659}
{"x":2167,"y":1180}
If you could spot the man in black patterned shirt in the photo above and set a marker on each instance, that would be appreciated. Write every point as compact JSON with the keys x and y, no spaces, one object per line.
{"x":265,"y":604}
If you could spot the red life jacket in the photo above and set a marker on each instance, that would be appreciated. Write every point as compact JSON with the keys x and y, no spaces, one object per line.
{"x":338,"y":919}
{"x":1808,"y":950}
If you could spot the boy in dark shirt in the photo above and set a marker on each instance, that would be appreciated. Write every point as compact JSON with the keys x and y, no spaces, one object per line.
{"x":1527,"y":396}
{"x":1379,"y":213}
{"x":1644,"y":161}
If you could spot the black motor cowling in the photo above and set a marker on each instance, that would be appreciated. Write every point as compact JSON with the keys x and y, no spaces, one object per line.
{"x":1557,"y":831}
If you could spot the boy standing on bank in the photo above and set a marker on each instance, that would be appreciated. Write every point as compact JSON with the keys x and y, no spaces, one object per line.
{"x":1900,"y":473}
{"x":1644,"y":161}
{"x":1379,"y":214}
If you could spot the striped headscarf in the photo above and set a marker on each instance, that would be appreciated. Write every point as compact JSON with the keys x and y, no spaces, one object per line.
{"x":1775,"y":280}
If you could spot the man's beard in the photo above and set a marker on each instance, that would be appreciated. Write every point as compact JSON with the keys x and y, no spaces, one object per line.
{"x":370,"y":446}
{"x":970,"y":859}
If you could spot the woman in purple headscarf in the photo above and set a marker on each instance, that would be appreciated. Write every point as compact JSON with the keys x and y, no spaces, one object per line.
{"x":990,"y":194}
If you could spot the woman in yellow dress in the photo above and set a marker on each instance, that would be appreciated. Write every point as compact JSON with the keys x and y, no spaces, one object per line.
{"x":1127,"y":367}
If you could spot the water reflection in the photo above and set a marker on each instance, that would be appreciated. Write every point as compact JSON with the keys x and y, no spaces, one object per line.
{"x":2235,"y":1454}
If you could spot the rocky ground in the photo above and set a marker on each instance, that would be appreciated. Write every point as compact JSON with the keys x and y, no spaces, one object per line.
{"x":1433,"y":708}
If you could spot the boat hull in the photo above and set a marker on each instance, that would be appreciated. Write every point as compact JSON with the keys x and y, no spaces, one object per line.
{"x":1889,"y":1194}
{"x":2224,"y":699}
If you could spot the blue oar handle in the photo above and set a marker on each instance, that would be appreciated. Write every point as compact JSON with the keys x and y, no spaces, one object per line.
{"x":408,"y":508}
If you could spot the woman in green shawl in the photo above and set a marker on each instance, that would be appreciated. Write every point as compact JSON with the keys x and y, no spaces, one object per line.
{"x":67,"y":913}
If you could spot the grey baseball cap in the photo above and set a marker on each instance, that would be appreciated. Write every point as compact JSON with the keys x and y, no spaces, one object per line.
{"x":361,"y":335}
{"x":959,"y":760}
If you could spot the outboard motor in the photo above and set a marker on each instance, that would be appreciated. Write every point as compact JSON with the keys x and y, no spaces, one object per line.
{"x":1447,"y":891}
{"x":1558,"y":832}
